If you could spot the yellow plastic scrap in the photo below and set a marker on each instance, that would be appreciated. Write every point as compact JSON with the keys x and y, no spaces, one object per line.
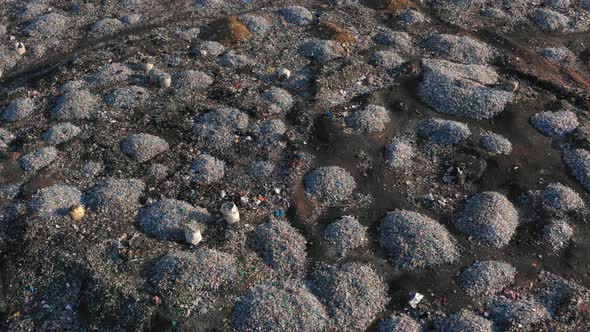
{"x":77,"y":212}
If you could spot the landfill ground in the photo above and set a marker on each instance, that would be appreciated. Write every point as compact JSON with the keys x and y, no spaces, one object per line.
{"x":327,"y":165}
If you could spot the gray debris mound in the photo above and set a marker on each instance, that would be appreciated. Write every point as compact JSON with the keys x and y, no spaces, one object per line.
{"x":233,"y":60}
{"x":216,"y":129}
{"x":167,"y":218}
{"x":117,"y":195}
{"x":186,"y":280}
{"x":352,"y":293}
{"x":399,"y":323}
{"x":488,"y":218}
{"x":369,"y":119}
{"x":559,"y":199}
{"x":286,"y":306}
{"x":462,"y":90}
{"x":72,"y":86}
{"x":270,"y":133}
{"x":522,"y":313}
{"x":330,"y":184}
{"x":208,"y":169}
{"x":208,"y":49}
{"x":410,"y":16}
{"x":550,"y":20}
{"x":346,"y":234}
{"x":578,"y":161}
{"x":296,"y":15}
{"x":127,"y":97}
{"x":55,"y":201}
{"x":400,"y":41}
{"x":466,"y":321}
{"x":555,"y":124}
{"x":190,"y":81}
{"x":261,"y":169}
{"x":414,"y":241}
{"x":558,"y":293}
{"x":61,"y":133}
{"x":91,"y":169}
{"x":6,"y":137}
{"x":38,"y":159}
{"x":256,"y":24}
{"x":560,"y":55}
{"x":280,"y":246}
{"x":558,"y":233}
{"x":210,"y":3}
{"x":280,"y":100}
{"x":19,"y":109}
{"x":107,"y":26}
{"x":399,"y":153}
{"x":445,"y":132}
{"x":8,"y":58}
{"x":495,"y":143}
{"x":558,"y":4}
{"x":48,"y":25}
{"x":157,"y":171}
{"x":487,"y":278}
{"x":321,"y":50}
{"x":143,"y":147}
{"x":387,"y":59}
{"x":462,"y":49}
{"x":110,"y":74}
{"x":75,"y":105}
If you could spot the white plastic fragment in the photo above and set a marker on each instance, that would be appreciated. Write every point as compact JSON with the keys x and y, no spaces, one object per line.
{"x":415,"y":300}
{"x":230,"y":212}
{"x":147,"y":66}
{"x":165,"y":80}
{"x":20,"y":48}
{"x":192,"y":234}
{"x":284,"y":73}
